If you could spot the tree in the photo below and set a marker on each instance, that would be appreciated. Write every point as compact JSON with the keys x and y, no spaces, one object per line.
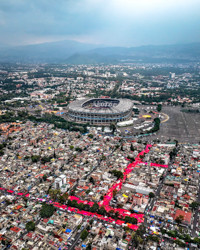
{"x":54,"y":193}
{"x":132,"y":148}
{"x":142,"y":157}
{"x":159,"y":107}
{"x":1,"y":152}
{"x":179,"y":243}
{"x":111,"y":213}
{"x":30,"y":226}
{"x":47,"y":210}
{"x":141,"y":230}
{"x":136,"y":240}
{"x":103,"y":157}
{"x":78,"y":149}
{"x":131,"y":220}
{"x":194,"y":205}
{"x":117,"y":174}
{"x":151,"y":195}
{"x":45,"y":159}
{"x":102,"y":211}
{"x":94,"y":208}
{"x":114,"y":192}
{"x":179,"y":219}
{"x":92,"y":180}
{"x":89,"y":246}
{"x":44,"y":177}
{"x":154,"y":238}
{"x":35,"y":158}
{"x":113,"y":127}
{"x":197,"y":240}
{"x":84,"y":234}
{"x":134,"y":221}
{"x":62,"y":198}
{"x":176,"y":142}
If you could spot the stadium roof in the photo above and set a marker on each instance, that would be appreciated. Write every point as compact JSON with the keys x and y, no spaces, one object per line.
{"x":123,"y":106}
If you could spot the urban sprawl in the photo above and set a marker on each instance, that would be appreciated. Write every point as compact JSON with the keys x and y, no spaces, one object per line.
{"x":122,"y":185}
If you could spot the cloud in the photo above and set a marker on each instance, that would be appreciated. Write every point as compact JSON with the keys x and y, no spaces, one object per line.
{"x":117,"y":22}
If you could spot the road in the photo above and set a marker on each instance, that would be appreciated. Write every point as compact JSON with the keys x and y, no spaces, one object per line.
{"x":157,"y":194}
{"x":196,"y":214}
{"x":77,"y":237}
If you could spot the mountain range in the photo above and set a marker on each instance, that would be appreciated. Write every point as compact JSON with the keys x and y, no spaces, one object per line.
{"x":73,"y":52}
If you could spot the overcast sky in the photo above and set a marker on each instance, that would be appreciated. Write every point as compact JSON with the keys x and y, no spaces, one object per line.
{"x":108,"y":22}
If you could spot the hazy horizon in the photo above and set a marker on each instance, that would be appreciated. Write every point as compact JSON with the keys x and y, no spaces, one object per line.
{"x":126,"y":23}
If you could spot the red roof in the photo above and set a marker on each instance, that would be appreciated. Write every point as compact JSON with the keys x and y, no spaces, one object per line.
{"x":15,"y":229}
{"x":187,"y":197}
{"x":29,"y":235}
{"x":186,"y":215}
{"x":18,"y":207}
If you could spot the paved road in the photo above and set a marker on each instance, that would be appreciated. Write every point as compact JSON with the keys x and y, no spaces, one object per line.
{"x":157,"y":194}
{"x":196,"y":214}
{"x":77,"y":237}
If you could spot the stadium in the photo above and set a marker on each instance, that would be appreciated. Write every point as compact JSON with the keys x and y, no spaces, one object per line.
{"x":100,"y":111}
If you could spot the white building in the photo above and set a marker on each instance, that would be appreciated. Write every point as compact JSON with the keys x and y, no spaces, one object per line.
{"x":60,"y":182}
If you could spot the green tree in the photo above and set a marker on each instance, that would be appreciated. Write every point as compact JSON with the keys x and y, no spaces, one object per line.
{"x":94,"y":208}
{"x":44,"y":177}
{"x":30,"y":226}
{"x":84,"y":234}
{"x":102,"y":210}
{"x":47,"y":210}
{"x":89,"y":246}
{"x":63,"y":198}
{"x":35,"y":158}
{"x":117,"y":174}
{"x":179,"y":219}
{"x":92,"y":180}
{"x":45,"y":159}
{"x":151,"y":195}
{"x":159,"y":107}
{"x":132,"y":148}
{"x":54,"y":193}
{"x":180,"y":243}
{"x":194,"y":205}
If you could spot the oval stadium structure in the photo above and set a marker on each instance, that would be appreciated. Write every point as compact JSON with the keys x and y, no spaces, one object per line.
{"x":100,"y":110}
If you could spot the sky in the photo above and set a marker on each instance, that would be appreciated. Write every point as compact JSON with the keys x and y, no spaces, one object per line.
{"x":104,"y":22}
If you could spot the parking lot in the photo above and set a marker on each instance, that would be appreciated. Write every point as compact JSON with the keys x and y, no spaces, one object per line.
{"x":184,"y":127}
